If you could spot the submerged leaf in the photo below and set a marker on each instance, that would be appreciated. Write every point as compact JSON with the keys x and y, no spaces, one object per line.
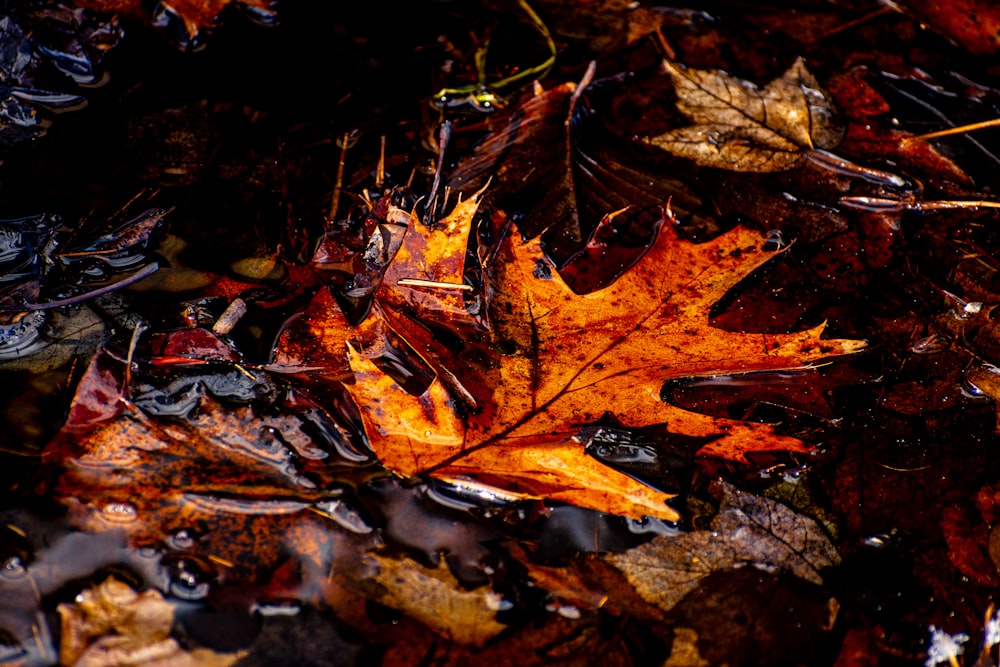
{"x":748,"y":530}
{"x":741,"y":127}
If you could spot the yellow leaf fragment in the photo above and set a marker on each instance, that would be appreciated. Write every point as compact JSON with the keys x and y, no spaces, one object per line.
{"x":435,"y":598}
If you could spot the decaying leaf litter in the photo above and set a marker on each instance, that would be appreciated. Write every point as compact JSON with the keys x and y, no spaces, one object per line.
{"x":674,"y":332}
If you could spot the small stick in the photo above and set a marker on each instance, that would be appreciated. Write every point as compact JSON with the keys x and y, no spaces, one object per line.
{"x":890,"y":7}
{"x":129,"y":203}
{"x":961,"y":129}
{"x":229,"y":318}
{"x":339,"y":182}
{"x":444,"y":136}
{"x":433,"y":284}
{"x":220,"y":561}
{"x":380,"y":169}
{"x":132,"y":345}
{"x":889,"y":204}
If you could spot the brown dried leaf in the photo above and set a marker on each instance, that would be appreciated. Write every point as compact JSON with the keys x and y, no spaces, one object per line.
{"x":748,"y":530}
{"x":741,"y":127}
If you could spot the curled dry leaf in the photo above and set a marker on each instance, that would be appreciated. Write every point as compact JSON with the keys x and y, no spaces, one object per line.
{"x":748,"y":530}
{"x":505,"y":415}
{"x":741,"y":127}
{"x":111,"y":624}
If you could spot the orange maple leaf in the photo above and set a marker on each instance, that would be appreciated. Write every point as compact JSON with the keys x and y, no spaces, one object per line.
{"x":555,"y":361}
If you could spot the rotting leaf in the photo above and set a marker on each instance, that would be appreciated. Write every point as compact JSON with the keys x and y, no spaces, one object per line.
{"x":434,"y":597}
{"x":741,"y":127}
{"x":556,"y":362}
{"x":748,"y":530}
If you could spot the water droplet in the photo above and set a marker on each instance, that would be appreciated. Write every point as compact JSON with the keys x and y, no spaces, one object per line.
{"x":653,"y":525}
{"x":793,"y":475}
{"x":497,"y":602}
{"x":188,"y":581}
{"x":877,"y":541}
{"x":13,"y":568}
{"x":22,"y":337}
{"x":277,"y":608}
{"x":120,"y":512}
{"x":931,"y":344}
{"x":775,"y":240}
{"x":245,"y":506}
{"x":566,"y":611}
{"x":344,"y":516}
{"x":181,"y":539}
{"x":542,"y":271}
{"x":465,"y":494}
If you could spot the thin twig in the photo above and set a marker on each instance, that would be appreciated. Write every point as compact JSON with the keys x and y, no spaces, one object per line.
{"x":144,"y":272}
{"x":380,"y":168}
{"x":339,"y":182}
{"x":444,"y":136}
{"x":433,"y":284}
{"x":961,"y":129}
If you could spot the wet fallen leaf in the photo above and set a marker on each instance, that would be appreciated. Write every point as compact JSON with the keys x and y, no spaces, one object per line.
{"x":247,"y":471}
{"x":741,"y":127}
{"x":747,"y":531}
{"x":434,"y":597}
{"x":558,"y":362}
{"x":111,"y":625}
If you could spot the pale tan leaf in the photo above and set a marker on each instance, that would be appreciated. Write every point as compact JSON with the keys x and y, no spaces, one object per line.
{"x":741,"y":127}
